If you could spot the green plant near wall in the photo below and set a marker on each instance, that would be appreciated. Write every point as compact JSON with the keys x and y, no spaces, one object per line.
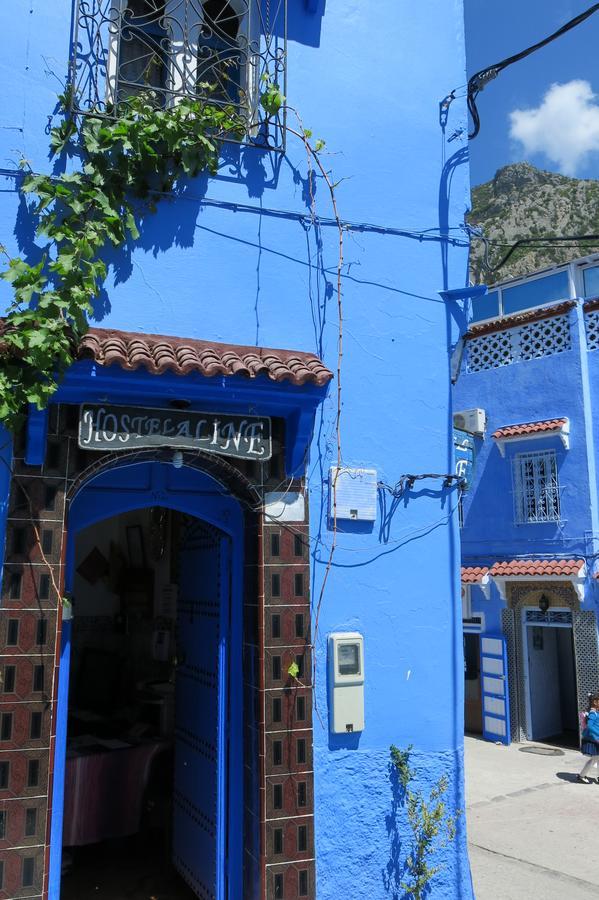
{"x":137,"y":156}
{"x":431,"y":825}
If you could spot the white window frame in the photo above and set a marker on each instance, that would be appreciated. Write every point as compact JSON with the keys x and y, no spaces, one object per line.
{"x":526,"y":495}
{"x":476,"y":625}
{"x":466,"y":601}
{"x":186,"y":85}
{"x":590,"y":263}
{"x":575,"y":278}
{"x":506,"y":285}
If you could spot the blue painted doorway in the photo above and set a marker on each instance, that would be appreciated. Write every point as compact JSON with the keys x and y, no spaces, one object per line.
{"x":207,"y":773}
{"x":201,"y":700}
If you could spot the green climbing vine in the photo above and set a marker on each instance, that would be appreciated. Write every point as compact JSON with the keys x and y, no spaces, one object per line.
{"x":135,"y":157}
{"x":125,"y":164}
{"x":431,"y":825}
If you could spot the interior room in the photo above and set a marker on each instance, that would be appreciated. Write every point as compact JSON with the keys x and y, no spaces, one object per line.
{"x":118,"y":811}
{"x":473,"y":710}
{"x":552,"y":685}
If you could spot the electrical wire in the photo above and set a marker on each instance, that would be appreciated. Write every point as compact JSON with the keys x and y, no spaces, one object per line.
{"x":434,"y":233}
{"x":546,"y":241}
{"x":481,"y":78}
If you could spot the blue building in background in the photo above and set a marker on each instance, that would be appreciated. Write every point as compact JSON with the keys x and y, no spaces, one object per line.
{"x":527,"y":394}
{"x":231,"y":665}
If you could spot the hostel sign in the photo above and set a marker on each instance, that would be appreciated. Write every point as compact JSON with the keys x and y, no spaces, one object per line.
{"x":103,"y":427}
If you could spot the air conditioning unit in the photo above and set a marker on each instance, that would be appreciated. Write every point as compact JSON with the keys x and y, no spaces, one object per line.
{"x":473,"y":421}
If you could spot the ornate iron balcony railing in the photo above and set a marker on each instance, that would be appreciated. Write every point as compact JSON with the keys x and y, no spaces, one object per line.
{"x":222,"y":50}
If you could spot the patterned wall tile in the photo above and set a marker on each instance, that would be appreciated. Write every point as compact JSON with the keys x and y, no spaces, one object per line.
{"x":28,"y":598}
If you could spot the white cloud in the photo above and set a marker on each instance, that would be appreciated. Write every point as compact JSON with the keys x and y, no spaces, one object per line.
{"x":565,"y":126}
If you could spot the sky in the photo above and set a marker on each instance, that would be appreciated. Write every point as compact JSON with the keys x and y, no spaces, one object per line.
{"x":544,"y":109}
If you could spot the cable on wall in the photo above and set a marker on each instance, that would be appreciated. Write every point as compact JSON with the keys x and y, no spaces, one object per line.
{"x":543,"y":241}
{"x":481,"y":79}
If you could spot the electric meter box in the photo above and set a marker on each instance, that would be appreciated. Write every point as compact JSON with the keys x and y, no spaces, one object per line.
{"x":346,"y":682}
{"x":355,"y":492}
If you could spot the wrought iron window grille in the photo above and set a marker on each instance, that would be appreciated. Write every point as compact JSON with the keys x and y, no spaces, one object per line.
{"x":550,"y":617}
{"x":222,"y":51}
{"x":536,"y":488}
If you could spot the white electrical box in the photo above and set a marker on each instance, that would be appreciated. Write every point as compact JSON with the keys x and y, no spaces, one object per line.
{"x":474,"y":421}
{"x":355,"y":493}
{"x":346,"y":682}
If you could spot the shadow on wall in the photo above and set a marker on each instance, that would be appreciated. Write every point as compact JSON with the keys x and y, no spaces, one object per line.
{"x":453,"y":163}
{"x":304,"y":20}
{"x":395,"y":871}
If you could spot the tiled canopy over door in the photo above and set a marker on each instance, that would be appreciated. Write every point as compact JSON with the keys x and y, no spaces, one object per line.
{"x":278,"y":784}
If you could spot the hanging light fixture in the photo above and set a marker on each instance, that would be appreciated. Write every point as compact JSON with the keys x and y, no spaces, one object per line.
{"x":543,"y":603}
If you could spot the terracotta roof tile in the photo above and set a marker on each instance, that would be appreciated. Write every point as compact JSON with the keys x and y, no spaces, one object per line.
{"x":473,"y":574}
{"x":159,"y":353}
{"x":522,"y":318}
{"x":529,"y":428}
{"x":536,"y":567}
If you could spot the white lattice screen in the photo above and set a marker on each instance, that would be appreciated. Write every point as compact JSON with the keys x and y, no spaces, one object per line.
{"x":543,"y":338}
{"x":592,"y":326}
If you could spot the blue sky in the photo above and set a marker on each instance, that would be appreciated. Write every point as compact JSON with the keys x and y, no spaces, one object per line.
{"x":522,"y":117}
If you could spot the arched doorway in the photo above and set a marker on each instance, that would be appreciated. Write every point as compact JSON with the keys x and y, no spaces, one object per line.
{"x":207,"y":791}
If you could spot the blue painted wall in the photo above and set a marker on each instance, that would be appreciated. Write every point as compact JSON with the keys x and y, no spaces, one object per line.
{"x":368,"y":78}
{"x":564,"y":384}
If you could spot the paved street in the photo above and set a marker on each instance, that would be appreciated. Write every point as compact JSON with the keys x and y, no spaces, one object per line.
{"x":533,"y":831}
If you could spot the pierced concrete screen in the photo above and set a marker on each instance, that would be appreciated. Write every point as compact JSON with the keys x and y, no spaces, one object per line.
{"x":533,"y":341}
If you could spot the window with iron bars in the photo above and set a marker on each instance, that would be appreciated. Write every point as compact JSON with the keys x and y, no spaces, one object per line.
{"x":536,"y":487}
{"x":219,"y":50}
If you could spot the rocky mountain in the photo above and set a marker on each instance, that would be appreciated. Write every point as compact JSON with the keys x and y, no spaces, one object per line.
{"x":522,"y":202}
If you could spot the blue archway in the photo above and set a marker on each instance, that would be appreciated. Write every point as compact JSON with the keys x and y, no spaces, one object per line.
{"x":131,"y":484}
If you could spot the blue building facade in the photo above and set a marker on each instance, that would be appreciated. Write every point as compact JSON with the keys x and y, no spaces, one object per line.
{"x":529,"y":518}
{"x":182,"y":489}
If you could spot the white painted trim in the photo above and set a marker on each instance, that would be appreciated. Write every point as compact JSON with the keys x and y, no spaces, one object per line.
{"x":577,"y":581}
{"x":484,"y":584}
{"x":526,"y":675}
{"x":469,"y":628}
{"x":563,"y":432}
{"x":466,"y":601}
{"x":526,"y":672}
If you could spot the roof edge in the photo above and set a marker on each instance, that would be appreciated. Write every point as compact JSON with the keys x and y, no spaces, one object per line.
{"x":523,"y":318}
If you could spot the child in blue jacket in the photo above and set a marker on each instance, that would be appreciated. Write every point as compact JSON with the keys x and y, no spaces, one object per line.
{"x":590,"y":740}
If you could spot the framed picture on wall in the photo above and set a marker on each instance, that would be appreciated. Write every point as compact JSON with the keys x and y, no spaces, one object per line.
{"x":135,"y":547}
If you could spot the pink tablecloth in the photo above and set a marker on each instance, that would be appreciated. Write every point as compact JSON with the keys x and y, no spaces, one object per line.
{"x":104,"y":792}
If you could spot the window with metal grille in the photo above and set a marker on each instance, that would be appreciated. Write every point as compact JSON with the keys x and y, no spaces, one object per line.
{"x":550,"y":617}
{"x":217,"y":50}
{"x":536,"y":487}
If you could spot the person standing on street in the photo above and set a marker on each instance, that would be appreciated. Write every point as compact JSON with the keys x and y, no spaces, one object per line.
{"x":590,"y":740}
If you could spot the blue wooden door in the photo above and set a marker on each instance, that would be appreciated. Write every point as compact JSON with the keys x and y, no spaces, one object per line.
{"x":200,"y":776}
{"x":495,"y":688}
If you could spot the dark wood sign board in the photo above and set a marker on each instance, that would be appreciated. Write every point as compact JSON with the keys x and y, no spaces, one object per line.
{"x":106,"y":427}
